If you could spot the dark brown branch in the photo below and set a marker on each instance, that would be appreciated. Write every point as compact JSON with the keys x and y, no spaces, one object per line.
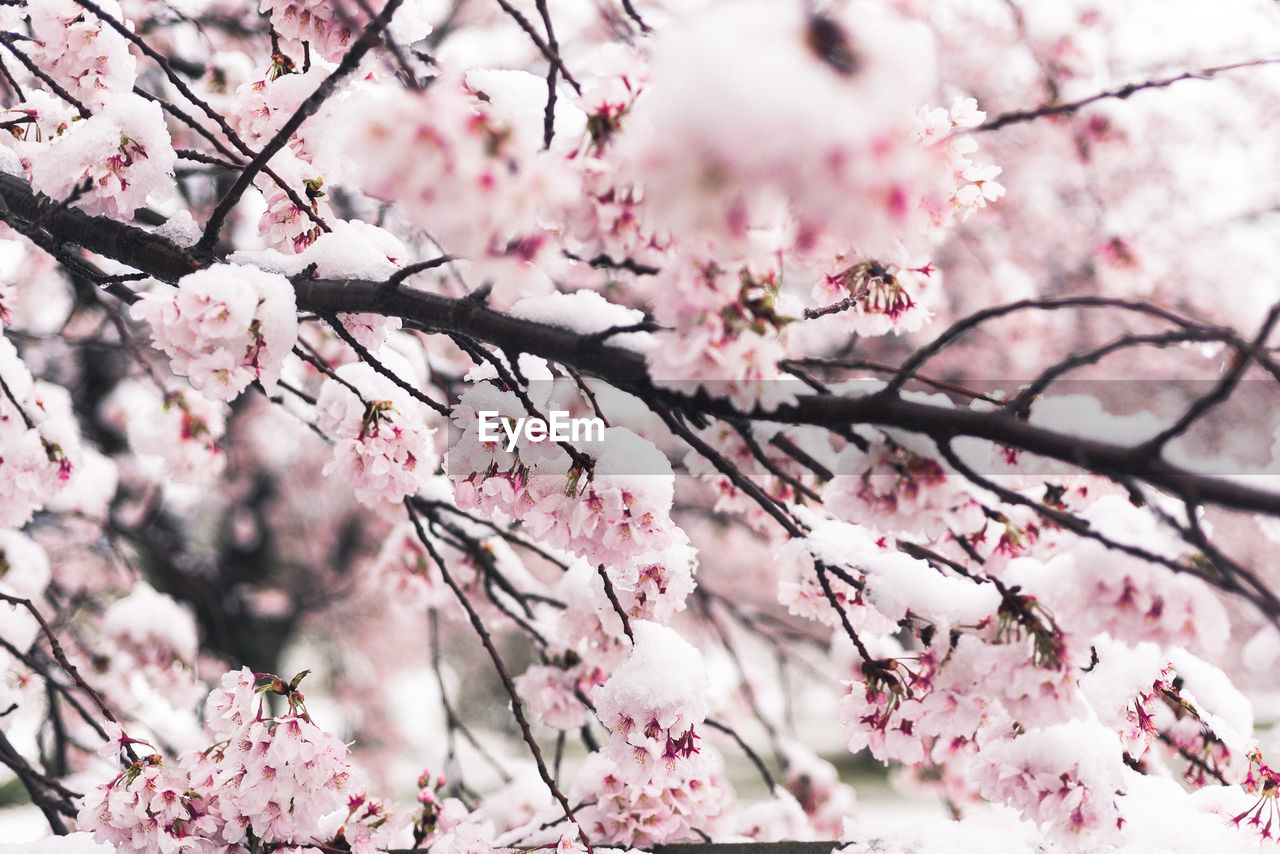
{"x":766,"y":502}
{"x":769,"y":782}
{"x":10,"y":82}
{"x":55,"y":647}
{"x":1221,"y":391}
{"x":627,"y":370}
{"x":549,"y":113}
{"x":363,"y":352}
{"x":127,"y":244}
{"x":1019,"y":404}
{"x":964,"y":325}
{"x":882,"y":368}
{"x":744,"y":431}
{"x":55,"y":805}
{"x":635,"y":16}
{"x":821,"y":569}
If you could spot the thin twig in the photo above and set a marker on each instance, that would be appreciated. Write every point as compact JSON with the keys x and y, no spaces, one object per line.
{"x":613,"y":600}
{"x":552,"y":56}
{"x":7,"y":40}
{"x":1120,"y":94}
{"x":516,"y":703}
{"x":363,"y":352}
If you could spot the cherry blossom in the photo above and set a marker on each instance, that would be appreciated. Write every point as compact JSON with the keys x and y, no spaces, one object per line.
{"x":225,"y":327}
{"x":928,"y":357}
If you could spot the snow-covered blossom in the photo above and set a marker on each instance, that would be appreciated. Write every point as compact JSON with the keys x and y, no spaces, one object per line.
{"x":1142,"y":602}
{"x":652,"y":704}
{"x":182,"y":429}
{"x":894,"y":489}
{"x":714,"y":158}
{"x":24,"y":573}
{"x":654,"y":586}
{"x":611,"y":505}
{"x":815,"y":784}
{"x":224,"y":328}
{"x":727,"y":332}
{"x":110,"y":163}
{"x":150,"y":622}
{"x":551,"y":695}
{"x":475,"y":185}
{"x":1062,"y":777}
{"x":766,"y":196}
{"x":326,"y":26}
{"x":590,"y":627}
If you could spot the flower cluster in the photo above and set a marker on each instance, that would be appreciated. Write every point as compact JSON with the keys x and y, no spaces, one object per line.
{"x":653,"y":783}
{"x":475,"y":184}
{"x":226,"y":326}
{"x":404,"y":567}
{"x":181,"y":429}
{"x":383,"y":446}
{"x":712,"y":160}
{"x":655,"y":586}
{"x":551,"y":693}
{"x":110,"y":163}
{"x":726,"y":331}
{"x":631,"y":815}
{"x":89,"y":58}
{"x":284,"y":224}
{"x":266,"y":780}
{"x":613,"y":509}
{"x":652,"y":704}
{"x":894,"y":489}
{"x":326,"y":26}
{"x":590,"y":629}
{"x":39,"y":442}
{"x":815,"y":784}
{"x":149,"y":634}
{"x":881,"y":298}
{"x":1264,"y":782}
{"x":1062,"y":777}
{"x":882,"y":711}
{"x":975,"y":184}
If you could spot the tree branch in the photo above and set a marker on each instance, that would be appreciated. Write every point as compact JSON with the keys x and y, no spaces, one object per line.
{"x":626,"y":369}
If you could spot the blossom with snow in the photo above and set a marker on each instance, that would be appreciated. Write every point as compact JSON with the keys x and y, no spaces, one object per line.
{"x":775,"y":253}
{"x":225,"y":327}
{"x":653,"y":704}
{"x":112,"y":162}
